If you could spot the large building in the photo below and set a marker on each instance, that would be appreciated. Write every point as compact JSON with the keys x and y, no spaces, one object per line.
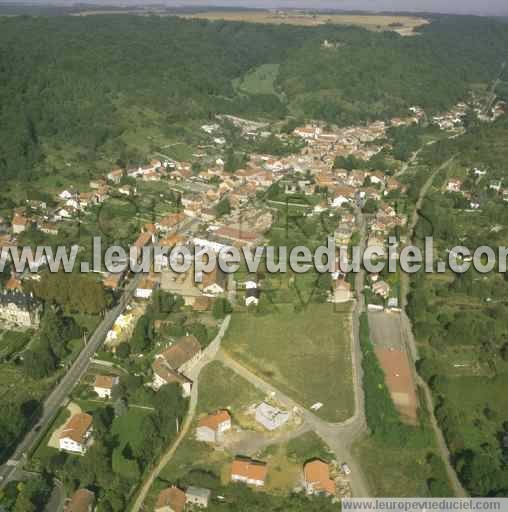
{"x":316,"y":475}
{"x":19,"y":309}
{"x":175,"y":363}
{"x":76,"y":436}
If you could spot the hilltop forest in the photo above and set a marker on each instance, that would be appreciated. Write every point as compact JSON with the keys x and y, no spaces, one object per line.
{"x":83,"y":81}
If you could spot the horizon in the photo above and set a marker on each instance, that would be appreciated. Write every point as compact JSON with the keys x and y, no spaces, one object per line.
{"x":459,"y":7}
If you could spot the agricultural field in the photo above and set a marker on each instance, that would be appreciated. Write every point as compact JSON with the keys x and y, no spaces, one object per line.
{"x":404,"y":25}
{"x":306,"y":354}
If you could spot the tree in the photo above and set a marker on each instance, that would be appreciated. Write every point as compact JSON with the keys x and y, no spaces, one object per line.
{"x":371,"y":206}
{"x":223,"y":208}
{"x":221,"y":308}
{"x":123,"y":350}
{"x":142,"y":337}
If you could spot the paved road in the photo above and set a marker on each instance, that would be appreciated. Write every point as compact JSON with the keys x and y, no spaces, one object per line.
{"x":209,"y":355}
{"x":59,"y":395}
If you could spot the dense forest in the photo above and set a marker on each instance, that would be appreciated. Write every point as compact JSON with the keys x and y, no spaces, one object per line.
{"x":82,"y":81}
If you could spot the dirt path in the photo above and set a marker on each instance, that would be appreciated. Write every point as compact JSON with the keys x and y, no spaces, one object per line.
{"x":412,"y":347}
{"x":209,"y":355}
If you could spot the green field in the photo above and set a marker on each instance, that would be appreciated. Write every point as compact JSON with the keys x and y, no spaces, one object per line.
{"x":260,"y":80}
{"x":397,"y":471}
{"x":305,"y":354}
{"x":221,"y":388}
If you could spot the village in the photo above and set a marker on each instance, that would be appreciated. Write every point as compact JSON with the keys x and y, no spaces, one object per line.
{"x":211,"y":207}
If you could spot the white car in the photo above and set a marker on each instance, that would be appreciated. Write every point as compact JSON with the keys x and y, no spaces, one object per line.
{"x":346,"y":469}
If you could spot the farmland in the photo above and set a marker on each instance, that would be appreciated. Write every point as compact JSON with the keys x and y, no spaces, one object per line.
{"x":404,"y":25}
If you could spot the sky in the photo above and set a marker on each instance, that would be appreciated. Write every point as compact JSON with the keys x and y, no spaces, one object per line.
{"x":485,"y":7}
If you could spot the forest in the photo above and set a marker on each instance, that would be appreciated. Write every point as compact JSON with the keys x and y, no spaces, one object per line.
{"x":83,"y":81}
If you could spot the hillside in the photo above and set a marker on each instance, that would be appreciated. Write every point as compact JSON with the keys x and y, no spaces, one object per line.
{"x":92,"y":87}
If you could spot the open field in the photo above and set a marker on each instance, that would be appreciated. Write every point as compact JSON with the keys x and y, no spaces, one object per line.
{"x":305,"y":354}
{"x":221,"y":388}
{"x":404,"y":25}
{"x":397,"y":472}
{"x":260,"y":80}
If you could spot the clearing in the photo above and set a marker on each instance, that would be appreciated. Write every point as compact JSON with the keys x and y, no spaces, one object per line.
{"x":306,"y":354}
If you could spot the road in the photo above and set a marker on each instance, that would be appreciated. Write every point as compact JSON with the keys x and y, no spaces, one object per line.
{"x":412,"y":347}
{"x":209,"y":355}
{"x":59,"y":395}
{"x":338,"y":436}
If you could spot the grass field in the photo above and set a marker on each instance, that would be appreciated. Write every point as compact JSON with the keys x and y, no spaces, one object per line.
{"x":221,"y":388}
{"x":260,"y":80}
{"x":401,"y":472}
{"x":404,"y":25}
{"x":470,"y":397}
{"x":305,"y":354}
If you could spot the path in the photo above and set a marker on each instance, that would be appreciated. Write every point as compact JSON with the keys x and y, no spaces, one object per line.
{"x":209,"y":355}
{"x":412,"y":347}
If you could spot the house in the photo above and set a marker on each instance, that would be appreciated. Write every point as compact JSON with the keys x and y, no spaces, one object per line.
{"x":249,"y":472}
{"x":170,"y":223}
{"x":495,"y":185}
{"x":112,"y":281}
{"x":14,"y":284}
{"x":48,"y":228}
{"x":381,"y":288}
{"x":20,"y":309}
{"x":211,"y":428}
{"x":454,"y":185}
{"x":198,"y":497}
{"x":163,"y":374}
{"x":316,"y":477}
{"x":271,"y":417}
{"x":214,"y":282}
{"x":252,"y":296}
{"x":104,"y":385}
{"x":76,"y":436}
{"x":19,"y":223}
{"x":146,"y":287}
{"x":342,"y":292}
{"x":115,"y":176}
{"x":171,"y":499}
{"x":342,"y":196}
{"x":82,"y":500}
{"x":176,"y":362}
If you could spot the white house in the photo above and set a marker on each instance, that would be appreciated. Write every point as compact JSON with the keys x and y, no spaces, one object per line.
{"x":252,"y":296}
{"x":249,"y":472}
{"x":104,"y":385}
{"x":211,"y":428}
{"x":340,"y":201}
{"x":76,"y":436}
{"x":271,"y":417}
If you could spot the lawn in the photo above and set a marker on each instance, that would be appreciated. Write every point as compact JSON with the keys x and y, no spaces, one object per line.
{"x":128,"y":427}
{"x":306,"y":354}
{"x":221,"y":388}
